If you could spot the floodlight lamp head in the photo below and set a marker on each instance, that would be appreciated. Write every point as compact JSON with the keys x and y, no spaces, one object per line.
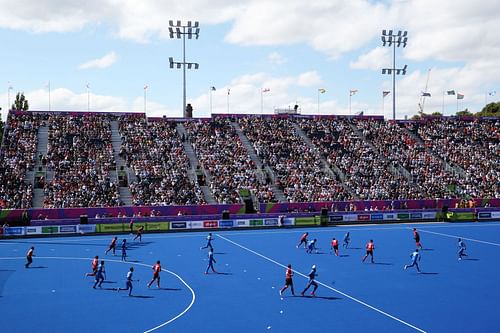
{"x":171,"y":23}
{"x":196,"y":66}
{"x":405,"y":33}
{"x":390,"y":32}
{"x":178,"y":23}
{"x":196,"y":24}
{"x":384,"y":32}
{"x":399,"y":33}
{"x":404,"y":69}
{"x":171,"y":62}
{"x":189,"y":24}
{"x":178,"y":65}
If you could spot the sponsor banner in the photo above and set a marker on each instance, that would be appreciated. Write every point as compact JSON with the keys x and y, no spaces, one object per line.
{"x":289,"y":221}
{"x":336,"y":218}
{"x":226,"y":223}
{"x":364,"y":217}
{"x":271,"y":222}
{"x":157,"y":226}
{"x":115,"y":227}
{"x":305,"y":221}
{"x":33,"y":230}
{"x":50,"y":230}
{"x":350,"y":217}
{"x":429,"y":215}
{"x":377,"y":217}
{"x":178,"y":225}
{"x":195,"y":225}
{"x":210,"y":224}
{"x":389,"y":216}
{"x":403,"y":216}
{"x":67,"y":229}
{"x":242,"y":223}
{"x":16,"y":231}
{"x":86,"y":228}
{"x":495,"y":215}
{"x":463,"y":216}
{"x":256,"y":223}
{"x":415,"y":216}
{"x":484,"y":215}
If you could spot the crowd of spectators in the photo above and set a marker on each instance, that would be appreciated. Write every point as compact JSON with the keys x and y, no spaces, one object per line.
{"x":154,"y":151}
{"x":222,"y":154}
{"x":18,"y":155}
{"x":80,"y":153}
{"x":472,"y":145}
{"x":430,"y":177}
{"x":297,"y":167}
{"x":369,"y":176}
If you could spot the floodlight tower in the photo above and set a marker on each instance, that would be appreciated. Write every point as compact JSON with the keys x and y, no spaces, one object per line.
{"x":397,"y":39}
{"x":190,"y":29}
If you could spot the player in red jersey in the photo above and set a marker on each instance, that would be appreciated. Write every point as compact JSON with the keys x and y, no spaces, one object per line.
{"x":370,"y":246}
{"x":156,"y":274}
{"x":112,"y":245}
{"x":335,"y":246}
{"x":303,"y":240}
{"x":288,"y":280}
{"x":416,"y":236}
{"x":95,"y":263}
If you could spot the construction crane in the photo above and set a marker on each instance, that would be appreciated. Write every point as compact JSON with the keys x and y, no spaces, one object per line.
{"x":421,"y":103}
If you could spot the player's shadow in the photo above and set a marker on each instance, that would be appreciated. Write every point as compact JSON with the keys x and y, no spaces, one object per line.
{"x":140,"y":296}
{"x":31,"y":267}
{"x":219,"y":252}
{"x":136,"y":261}
{"x":223,"y":273}
{"x":108,"y":282}
{"x":471,"y":259}
{"x":353,"y":248}
{"x":383,"y":263}
{"x":108,"y":289}
{"x":343,"y":255}
{"x":426,"y":249}
{"x":322,"y":297}
{"x":428,"y":273}
{"x":167,"y":289}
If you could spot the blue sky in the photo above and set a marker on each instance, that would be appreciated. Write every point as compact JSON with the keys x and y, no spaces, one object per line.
{"x":291,"y":47}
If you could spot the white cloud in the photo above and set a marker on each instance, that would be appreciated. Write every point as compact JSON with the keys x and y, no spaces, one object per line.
{"x":309,"y":79}
{"x":276,"y":59}
{"x":375,"y":59}
{"x":103,"y":62}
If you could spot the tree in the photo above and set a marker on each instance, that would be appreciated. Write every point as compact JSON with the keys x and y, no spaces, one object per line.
{"x":490,"y":110}
{"x":1,"y":127}
{"x":437,"y":114}
{"x":464,"y":113}
{"x":416,"y":117}
{"x":21,"y":103}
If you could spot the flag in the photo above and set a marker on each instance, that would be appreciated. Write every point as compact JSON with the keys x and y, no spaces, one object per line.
{"x":266,"y":90}
{"x":460,"y":96}
{"x":88,"y":86}
{"x":385,"y":93}
{"x":426,"y":94}
{"x":322,"y":91}
{"x":352,"y":92}
{"x":146,"y":87}
{"x":451,"y":92}
{"x":228,"y":91}
{"x":213,"y":88}
{"x":492,"y":93}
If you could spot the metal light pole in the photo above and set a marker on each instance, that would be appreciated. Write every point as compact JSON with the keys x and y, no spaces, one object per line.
{"x":394,"y":40}
{"x":190,"y":29}
{"x":9,"y":88}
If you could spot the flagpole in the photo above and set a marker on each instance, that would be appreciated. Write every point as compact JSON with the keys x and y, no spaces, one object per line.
{"x":383,"y":104}
{"x":457,"y":103}
{"x":228,"y":93}
{"x":261,"y":101}
{"x":318,"y":101}
{"x":350,"y":96}
{"x":442,"y":106}
{"x":211,"y":101}
{"x":9,"y":88}
{"x":49,"y":94}
{"x":145,"y":88}
{"x":88,"y":98}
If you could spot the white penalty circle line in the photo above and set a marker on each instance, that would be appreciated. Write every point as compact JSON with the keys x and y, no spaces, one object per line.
{"x":325,"y":285}
{"x":131,"y":263}
{"x":453,"y":236}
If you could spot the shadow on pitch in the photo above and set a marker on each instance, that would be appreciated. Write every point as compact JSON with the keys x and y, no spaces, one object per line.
{"x":321,"y":297}
{"x":428,"y":273}
{"x":31,"y":267}
{"x":383,"y":263}
{"x":471,"y":259}
{"x":140,"y":296}
{"x":167,"y":289}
